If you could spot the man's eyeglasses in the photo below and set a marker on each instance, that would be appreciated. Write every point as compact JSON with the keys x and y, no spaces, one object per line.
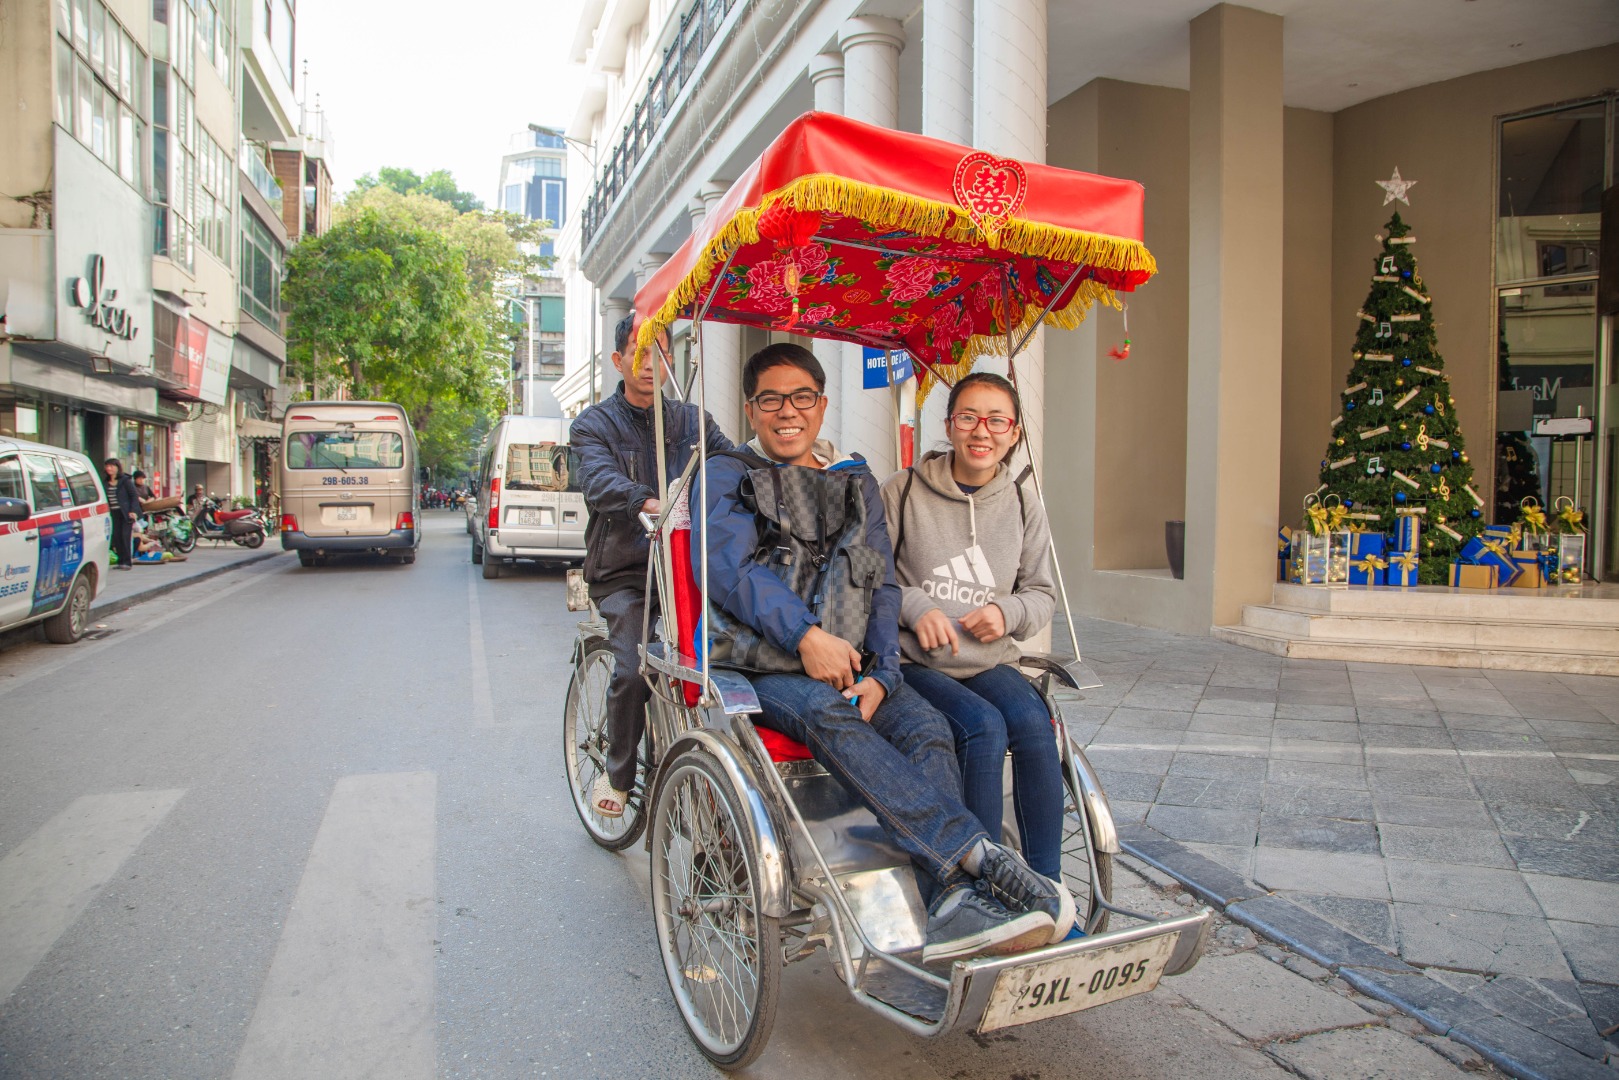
{"x":966,"y":421}
{"x":769,"y":402}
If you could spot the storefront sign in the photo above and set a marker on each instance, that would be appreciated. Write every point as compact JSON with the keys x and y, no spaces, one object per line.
{"x":216,"y":368}
{"x":878,"y":372}
{"x":90,"y":294}
{"x":191,"y":348}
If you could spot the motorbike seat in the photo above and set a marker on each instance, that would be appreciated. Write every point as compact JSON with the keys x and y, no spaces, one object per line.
{"x":230,"y":515}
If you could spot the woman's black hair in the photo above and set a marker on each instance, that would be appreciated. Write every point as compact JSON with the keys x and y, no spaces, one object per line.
{"x":986,"y":378}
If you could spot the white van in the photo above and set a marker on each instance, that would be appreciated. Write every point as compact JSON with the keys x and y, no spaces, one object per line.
{"x":55,"y":536}
{"x":349,"y":480}
{"x":529,"y":504}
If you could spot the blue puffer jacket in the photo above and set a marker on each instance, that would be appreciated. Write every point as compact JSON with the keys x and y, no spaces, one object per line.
{"x":749,"y":591}
{"x":618,"y":469}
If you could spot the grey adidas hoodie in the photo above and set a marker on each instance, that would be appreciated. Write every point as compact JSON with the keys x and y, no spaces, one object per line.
{"x":963,"y":551}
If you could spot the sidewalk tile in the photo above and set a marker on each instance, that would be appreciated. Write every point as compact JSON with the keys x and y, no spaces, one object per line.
{"x":1472,"y":847}
{"x":1287,"y":696}
{"x":1248,"y":679}
{"x":1435,"y":813}
{"x":1400,"y":735}
{"x":1211,"y":706}
{"x":1557,"y":707}
{"x":1129,"y":758}
{"x":1422,"y":781}
{"x":1128,"y":716}
{"x":1505,"y":764}
{"x":1316,"y":872}
{"x":1491,"y":704}
{"x":1219,"y":742}
{"x":1552,"y":1007}
{"x":1317,"y":772}
{"x":1483,"y":941}
{"x":1594,"y":861}
{"x":1285,"y":748}
{"x":1426,"y":758}
{"x":1317,"y":834}
{"x":1369,"y":920}
{"x":1131,"y":786}
{"x":1367,"y":1053}
{"x":1509,"y":725}
{"x":1522,"y":1052}
{"x":1162,"y":697}
{"x":1198,"y":791}
{"x":1602,"y":1002}
{"x":1262,"y":1000}
{"x":1576,"y":729}
{"x":1239,"y":860}
{"x":1556,"y":823}
{"x":1379,"y":714}
{"x":1310,"y":935}
{"x":1458,"y":887}
{"x":1532,"y":792}
{"x":1205,"y":824}
{"x":1227,"y":724}
{"x":1312,"y":800}
{"x":1218,"y":766}
{"x":1125,"y":810}
{"x":1511,"y":741}
{"x":1318,"y":730}
{"x":1592,"y":951}
{"x":1332,"y":713}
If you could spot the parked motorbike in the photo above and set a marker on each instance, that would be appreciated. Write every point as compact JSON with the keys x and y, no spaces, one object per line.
{"x":172,"y":529}
{"x":210,"y":521}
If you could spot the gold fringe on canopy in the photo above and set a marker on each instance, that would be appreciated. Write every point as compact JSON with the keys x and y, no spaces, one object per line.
{"x":923,"y":217}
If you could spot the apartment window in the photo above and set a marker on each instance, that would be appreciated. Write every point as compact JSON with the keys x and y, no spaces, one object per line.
{"x":551,"y":201}
{"x":213,"y":196}
{"x":213,"y":35}
{"x":260,"y":271}
{"x":278,"y":27}
{"x":99,"y":72}
{"x":551,"y":314}
{"x":174,"y":164}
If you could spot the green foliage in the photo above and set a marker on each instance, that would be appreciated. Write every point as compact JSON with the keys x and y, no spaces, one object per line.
{"x":1396,"y":354}
{"x":437,"y":184}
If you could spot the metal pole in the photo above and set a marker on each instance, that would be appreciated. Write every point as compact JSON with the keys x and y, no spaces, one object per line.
{"x":533,"y":339}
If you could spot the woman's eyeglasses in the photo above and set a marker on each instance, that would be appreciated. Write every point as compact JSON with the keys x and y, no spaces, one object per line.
{"x":966,"y":421}
{"x":801,"y":399}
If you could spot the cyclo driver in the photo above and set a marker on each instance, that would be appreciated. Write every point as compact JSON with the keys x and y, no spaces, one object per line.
{"x":618,"y":473}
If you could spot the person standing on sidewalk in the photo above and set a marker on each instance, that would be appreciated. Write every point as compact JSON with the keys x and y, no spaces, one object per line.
{"x":618,"y":474}
{"x":124,"y":503}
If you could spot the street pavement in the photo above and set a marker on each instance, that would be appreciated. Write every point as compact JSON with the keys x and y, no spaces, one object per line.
{"x":1462,"y":824}
{"x":290,"y":822}
{"x":143,"y":581}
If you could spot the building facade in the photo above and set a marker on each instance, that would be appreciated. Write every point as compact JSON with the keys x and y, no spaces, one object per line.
{"x":141,"y":242}
{"x":534,"y":184}
{"x":1259,"y":139}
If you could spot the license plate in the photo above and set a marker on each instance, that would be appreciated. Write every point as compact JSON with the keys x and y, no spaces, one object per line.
{"x":347,"y":513}
{"x":529,"y":517}
{"x":1056,"y":987}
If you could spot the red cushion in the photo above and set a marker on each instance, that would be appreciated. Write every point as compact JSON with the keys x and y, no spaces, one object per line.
{"x":781,"y":748}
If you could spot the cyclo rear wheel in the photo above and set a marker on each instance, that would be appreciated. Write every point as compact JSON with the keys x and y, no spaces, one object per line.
{"x":1076,"y":856}
{"x":721,"y":953}
{"x":584,"y":751}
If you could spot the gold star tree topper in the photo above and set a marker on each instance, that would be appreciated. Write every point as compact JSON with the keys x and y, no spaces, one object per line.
{"x":1396,"y":188}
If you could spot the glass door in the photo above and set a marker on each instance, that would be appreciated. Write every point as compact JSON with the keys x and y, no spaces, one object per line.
{"x":1554,"y":410}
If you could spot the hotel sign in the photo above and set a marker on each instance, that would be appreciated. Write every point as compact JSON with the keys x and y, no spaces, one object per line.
{"x":90,"y":295}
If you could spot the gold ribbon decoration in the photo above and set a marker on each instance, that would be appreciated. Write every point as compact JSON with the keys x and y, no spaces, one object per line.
{"x":1318,"y":519}
{"x":1335,"y":518}
{"x":1497,"y":547}
{"x":1572,"y":517}
{"x":1533,"y":516}
{"x":1369,"y":563}
{"x":1405,"y":560}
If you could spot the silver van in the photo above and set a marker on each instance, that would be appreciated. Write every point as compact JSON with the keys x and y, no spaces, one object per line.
{"x":529,"y":504}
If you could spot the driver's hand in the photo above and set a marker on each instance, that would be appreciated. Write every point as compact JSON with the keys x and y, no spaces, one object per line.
{"x":935,"y":630}
{"x":829,"y":659}
{"x":987,"y":623}
{"x":866,"y":694}
{"x":651,"y":506}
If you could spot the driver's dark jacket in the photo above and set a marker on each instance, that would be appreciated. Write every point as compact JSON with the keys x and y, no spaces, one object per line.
{"x":618,"y":470}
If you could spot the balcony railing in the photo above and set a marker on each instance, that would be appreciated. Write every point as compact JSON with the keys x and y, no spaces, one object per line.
{"x":697,"y":30}
{"x":258,"y":173}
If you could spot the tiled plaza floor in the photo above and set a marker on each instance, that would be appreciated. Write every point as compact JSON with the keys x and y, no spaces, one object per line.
{"x":1466,"y":821}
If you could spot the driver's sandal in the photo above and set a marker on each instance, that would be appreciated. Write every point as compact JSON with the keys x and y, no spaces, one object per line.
{"x":606,"y":799}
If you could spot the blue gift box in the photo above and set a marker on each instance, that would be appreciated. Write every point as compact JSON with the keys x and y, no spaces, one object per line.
{"x":1402,"y":569}
{"x":1407,"y":532}
{"x":1367,"y":565}
{"x":1489,"y":550}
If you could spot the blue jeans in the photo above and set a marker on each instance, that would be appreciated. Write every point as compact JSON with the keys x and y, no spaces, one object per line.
{"x":991,"y":713}
{"x":902,"y":765}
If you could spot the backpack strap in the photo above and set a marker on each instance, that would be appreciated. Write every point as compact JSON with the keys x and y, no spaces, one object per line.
{"x":904,"y":497}
{"x":1017,"y":485}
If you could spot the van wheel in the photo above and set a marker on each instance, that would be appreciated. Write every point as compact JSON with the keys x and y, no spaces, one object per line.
{"x":68,"y":625}
{"x":477,"y":552}
{"x":491,"y":569}
{"x":307,"y":558}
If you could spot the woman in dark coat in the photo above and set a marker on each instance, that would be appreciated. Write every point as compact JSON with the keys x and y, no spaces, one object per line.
{"x":125,"y":505}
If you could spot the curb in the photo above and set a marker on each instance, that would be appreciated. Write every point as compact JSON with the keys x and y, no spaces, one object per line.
{"x":1515,"y":1049}
{"x":124,"y":603}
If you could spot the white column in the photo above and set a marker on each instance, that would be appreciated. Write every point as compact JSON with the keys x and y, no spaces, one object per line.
{"x":1009,"y":118}
{"x":644,"y":269}
{"x":722,"y":342}
{"x":614,"y":309}
{"x":826,"y":79}
{"x":871,"y":48}
{"x":947,"y":69}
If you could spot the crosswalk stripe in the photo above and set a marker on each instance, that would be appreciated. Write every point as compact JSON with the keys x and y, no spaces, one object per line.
{"x":48,"y":880}
{"x":350,"y":991}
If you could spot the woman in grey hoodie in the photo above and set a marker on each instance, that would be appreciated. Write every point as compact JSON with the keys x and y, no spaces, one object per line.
{"x":972,"y":556}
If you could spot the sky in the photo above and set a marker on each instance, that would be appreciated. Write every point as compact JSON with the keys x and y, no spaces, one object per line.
{"x":436,"y":86}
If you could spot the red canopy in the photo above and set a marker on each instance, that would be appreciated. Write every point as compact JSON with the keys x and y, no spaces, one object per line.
{"x":854,"y":232}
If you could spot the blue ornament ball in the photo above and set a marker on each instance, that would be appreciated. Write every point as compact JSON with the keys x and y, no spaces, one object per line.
{"x":1405,"y":273}
{"x":1324,"y":463}
{"x":1399,"y":496}
{"x":1349,"y":405}
{"x":1434,"y":467}
{"x":1428,"y":409}
{"x":1405,"y":446}
{"x":1455,"y":455}
{"x":1349,"y":504}
{"x":1475,"y":513}
{"x":1405,"y":361}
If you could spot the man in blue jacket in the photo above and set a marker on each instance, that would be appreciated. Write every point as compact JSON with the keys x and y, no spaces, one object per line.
{"x":618,"y":474}
{"x":881,"y":740}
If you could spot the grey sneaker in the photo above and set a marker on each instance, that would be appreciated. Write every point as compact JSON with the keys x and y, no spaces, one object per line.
{"x":1009,"y":879}
{"x":966,"y":921}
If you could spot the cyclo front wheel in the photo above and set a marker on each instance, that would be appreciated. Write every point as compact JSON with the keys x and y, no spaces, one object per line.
{"x":1076,"y":860}
{"x":721,"y":953}
{"x":584,"y":751}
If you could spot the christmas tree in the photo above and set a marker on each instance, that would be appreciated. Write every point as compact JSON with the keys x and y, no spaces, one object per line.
{"x":1397,"y":444}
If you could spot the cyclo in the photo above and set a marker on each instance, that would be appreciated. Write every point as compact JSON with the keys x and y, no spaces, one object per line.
{"x":760,"y":857}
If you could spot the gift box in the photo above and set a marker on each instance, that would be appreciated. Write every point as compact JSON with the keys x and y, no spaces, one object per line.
{"x":1530,"y":574}
{"x":1307,"y":559}
{"x":1472,"y":576}
{"x":1402,"y":569}
{"x":1366,"y":561}
{"x":1284,"y":547}
{"x":1407,"y":532}
{"x":1489,"y":551}
{"x":1570,"y":559}
{"x":1338,"y":556}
